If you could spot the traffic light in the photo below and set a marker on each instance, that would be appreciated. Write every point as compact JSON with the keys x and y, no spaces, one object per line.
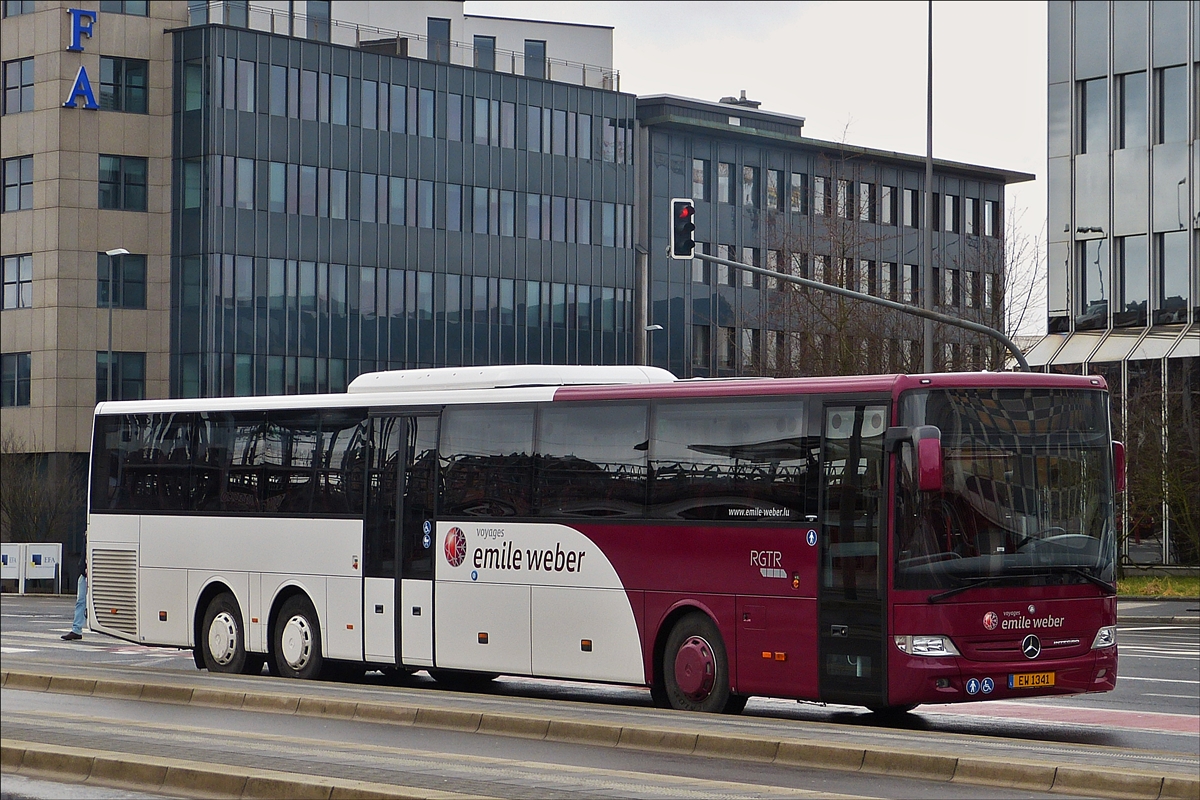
{"x":683,"y":228}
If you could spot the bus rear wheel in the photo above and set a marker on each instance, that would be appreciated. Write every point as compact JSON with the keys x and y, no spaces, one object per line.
{"x":223,"y":642}
{"x":297,"y":640}
{"x":695,"y":669}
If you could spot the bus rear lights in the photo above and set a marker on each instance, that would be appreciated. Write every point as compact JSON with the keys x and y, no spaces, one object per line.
{"x":926,"y":645}
{"x":943,"y":683}
{"x":483,"y":637}
{"x":162,"y":616}
{"x":1105,"y":637}
{"x":585,"y":645}
{"x":770,"y":655}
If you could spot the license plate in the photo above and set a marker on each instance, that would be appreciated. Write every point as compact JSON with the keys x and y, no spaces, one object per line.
{"x":1030,"y":680}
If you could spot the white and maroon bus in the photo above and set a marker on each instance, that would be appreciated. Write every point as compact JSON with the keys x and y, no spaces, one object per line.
{"x":881,"y":541}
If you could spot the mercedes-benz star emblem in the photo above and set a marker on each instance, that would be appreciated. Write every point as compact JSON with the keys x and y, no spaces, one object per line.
{"x":1031,"y":647}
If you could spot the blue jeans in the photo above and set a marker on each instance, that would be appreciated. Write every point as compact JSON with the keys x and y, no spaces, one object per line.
{"x":80,"y":605}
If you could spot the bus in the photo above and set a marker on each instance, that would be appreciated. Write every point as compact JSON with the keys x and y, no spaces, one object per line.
{"x":880,"y":541}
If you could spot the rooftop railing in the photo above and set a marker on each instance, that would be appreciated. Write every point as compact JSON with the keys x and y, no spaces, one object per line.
{"x":400,"y":43}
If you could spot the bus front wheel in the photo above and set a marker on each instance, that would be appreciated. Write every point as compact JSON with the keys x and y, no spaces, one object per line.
{"x":223,"y":647}
{"x":297,"y":640}
{"x":695,"y":669}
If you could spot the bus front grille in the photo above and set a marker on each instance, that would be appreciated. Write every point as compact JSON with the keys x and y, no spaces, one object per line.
{"x":113,"y":574}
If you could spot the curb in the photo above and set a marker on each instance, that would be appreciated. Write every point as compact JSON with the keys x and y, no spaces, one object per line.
{"x":191,"y":778}
{"x":1187,"y":619}
{"x":240,"y":782}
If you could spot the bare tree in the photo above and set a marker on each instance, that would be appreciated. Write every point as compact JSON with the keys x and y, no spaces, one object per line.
{"x":39,"y":495}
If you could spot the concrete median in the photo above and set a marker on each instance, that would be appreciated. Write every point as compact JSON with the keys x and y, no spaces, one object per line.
{"x":1027,"y":774}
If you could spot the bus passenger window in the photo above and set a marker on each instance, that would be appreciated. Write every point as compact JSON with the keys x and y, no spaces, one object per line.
{"x":591,"y":460}
{"x":487,"y":462}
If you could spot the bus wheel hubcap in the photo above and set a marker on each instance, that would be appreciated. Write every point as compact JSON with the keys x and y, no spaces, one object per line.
{"x":222,"y":638}
{"x":695,"y":668}
{"x":297,"y":642}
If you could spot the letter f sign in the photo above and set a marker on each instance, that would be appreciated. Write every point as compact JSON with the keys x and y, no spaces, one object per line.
{"x":81,"y":25}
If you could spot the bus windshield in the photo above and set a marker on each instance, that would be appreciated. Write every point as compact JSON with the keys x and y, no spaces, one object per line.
{"x":1027,"y":491}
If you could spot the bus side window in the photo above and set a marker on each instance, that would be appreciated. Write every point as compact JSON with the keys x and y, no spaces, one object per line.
{"x":591,"y":460}
{"x":487,"y":462}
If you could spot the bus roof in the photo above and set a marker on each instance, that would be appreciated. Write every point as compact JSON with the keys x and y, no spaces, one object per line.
{"x":523,"y":385}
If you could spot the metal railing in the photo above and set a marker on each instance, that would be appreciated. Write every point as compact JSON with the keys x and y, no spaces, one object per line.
{"x":412,"y":45}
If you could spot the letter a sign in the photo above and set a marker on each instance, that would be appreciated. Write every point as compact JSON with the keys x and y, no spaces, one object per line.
{"x":81,"y":25}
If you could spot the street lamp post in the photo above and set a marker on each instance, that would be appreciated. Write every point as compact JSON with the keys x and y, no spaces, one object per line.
{"x":108,"y":368}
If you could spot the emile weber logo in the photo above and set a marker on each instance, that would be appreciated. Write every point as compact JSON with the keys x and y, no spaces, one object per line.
{"x":507,"y":556}
{"x":1014,"y":621}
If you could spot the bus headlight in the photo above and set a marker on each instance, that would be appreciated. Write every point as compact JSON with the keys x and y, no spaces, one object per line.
{"x":1105,"y":637}
{"x":926,"y":645}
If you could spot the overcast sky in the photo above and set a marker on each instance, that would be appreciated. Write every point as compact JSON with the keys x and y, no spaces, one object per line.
{"x":853,"y":70}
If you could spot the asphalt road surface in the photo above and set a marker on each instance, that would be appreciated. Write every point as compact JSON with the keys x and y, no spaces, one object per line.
{"x":1154,"y":710}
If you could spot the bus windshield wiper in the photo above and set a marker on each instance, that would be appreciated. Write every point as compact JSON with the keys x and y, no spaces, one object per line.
{"x":937,"y":598}
{"x":1107,"y":587}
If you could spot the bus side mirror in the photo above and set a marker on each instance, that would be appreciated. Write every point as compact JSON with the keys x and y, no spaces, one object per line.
{"x":928,"y":441}
{"x":1119,"y":465}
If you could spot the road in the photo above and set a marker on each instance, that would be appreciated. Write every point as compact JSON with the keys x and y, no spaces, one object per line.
{"x":1152,"y":718}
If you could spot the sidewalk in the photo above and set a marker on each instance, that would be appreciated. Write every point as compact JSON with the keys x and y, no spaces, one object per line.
{"x":1158,"y":611}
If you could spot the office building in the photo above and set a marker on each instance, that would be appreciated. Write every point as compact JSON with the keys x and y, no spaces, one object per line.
{"x":1124,"y":203}
{"x":829,"y":211}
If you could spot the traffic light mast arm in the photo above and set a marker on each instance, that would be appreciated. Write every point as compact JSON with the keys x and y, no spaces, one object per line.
{"x":879,"y":301}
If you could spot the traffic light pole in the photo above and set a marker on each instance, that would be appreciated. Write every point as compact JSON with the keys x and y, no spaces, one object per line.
{"x":879,"y":301}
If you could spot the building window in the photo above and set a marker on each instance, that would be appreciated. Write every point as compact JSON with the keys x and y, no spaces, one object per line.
{"x":950,"y":218}
{"x":1172,"y":256}
{"x":971,"y":216}
{"x":775,"y":190}
{"x":989,"y":291}
{"x":14,"y":379}
{"x":798,"y":199}
{"x":1093,"y":122}
{"x":912,"y":214}
{"x":699,"y":179}
{"x":909,"y":285}
{"x":866,"y":202}
{"x":701,"y":346}
{"x":128,"y":281}
{"x":887,"y":205}
{"x":724,"y":186}
{"x":134,"y":8}
{"x":950,"y":288}
{"x":1131,"y":110}
{"x":845,"y":199}
{"x":123,"y":84}
{"x":128,"y":376}
{"x":15,"y":8}
{"x":887,"y":280}
{"x":18,"y":183}
{"x":18,"y":86}
{"x":18,"y":281}
{"x":971,"y":292}
{"x":750,"y":349}
{"x":535,"y":58}
{"x":1171,"y":103}
{"x":122,"y":183}
{"x":1133,"y":281}
{"x":726,"y":347}
{"x":485,"y":52}
{"x":750,"y":280}
{"x":750,"y":187}
{"x":1092,"y":276}
{"x":320,"y":13}
{"x":991,"y":218}
{"x":439,"y":40}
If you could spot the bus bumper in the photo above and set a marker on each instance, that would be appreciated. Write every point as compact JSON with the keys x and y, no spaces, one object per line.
{"x":917,"y":679}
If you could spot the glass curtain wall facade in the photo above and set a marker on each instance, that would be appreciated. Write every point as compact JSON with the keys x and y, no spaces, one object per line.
{"x":1123,"y":280}
{"x":843,"y":215}
{"x":337,"y":211}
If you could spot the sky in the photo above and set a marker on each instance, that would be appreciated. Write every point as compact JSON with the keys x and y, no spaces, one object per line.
{"x":856,"y":71}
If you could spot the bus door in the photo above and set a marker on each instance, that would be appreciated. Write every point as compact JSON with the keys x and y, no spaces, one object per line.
{"x":399,"y":531}
{"x":850,"y":597}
